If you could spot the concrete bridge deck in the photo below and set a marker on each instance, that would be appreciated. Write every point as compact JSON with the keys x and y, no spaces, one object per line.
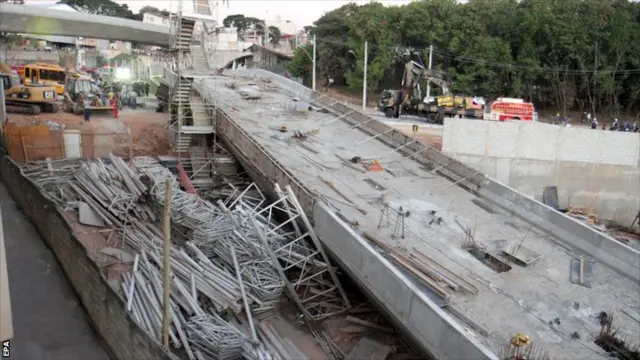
{"x":37,"y":20}
{"x":522,"y":299}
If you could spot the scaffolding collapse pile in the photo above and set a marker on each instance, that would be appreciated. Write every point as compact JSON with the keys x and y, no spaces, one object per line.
{"x":232,"y":257}
{"x":237,"y":258}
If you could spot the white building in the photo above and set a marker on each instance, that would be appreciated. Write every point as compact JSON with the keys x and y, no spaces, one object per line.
{"x":155,"y":19}
{"x":285,"y":26}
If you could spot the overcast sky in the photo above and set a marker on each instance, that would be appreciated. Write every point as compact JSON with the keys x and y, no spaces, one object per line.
{"x":301,"y":12}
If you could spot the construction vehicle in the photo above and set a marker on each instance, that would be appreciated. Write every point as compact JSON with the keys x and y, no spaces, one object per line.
{"x":79,"y":88}
{"x":44,"y":74}
{"x":409,"y":100}
{"x":511,"y":109}
{"x":26,"y":99}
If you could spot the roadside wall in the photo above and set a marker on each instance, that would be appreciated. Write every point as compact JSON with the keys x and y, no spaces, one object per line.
{"x":593,"y":168}
{"x":121,"y":335}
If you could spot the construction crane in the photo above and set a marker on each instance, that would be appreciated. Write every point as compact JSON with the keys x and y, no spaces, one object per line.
{"x":409,"y":100}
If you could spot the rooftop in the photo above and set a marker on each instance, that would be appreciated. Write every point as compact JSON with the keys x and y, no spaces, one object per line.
{"x":537,"y":299}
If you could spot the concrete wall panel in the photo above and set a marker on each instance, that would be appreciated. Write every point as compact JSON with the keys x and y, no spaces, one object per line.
{"x":534,"y":141}
{"x":578,"y":145}
{"x":619,"y":148}
{"x":500,"y":130}
{"x":599,"y":169}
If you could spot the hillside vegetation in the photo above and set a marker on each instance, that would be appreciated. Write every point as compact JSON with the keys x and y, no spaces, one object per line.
{"x":570,"y":54}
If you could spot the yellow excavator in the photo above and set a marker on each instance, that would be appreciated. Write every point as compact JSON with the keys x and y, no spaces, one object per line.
{"x":26,"y":99}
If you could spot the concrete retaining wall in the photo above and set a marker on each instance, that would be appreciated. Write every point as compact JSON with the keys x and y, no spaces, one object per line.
{"x":121,"y":335}
{"x":591,"y":168}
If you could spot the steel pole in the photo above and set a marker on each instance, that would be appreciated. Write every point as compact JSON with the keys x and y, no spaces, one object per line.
{"x":313,"y":75}
{"x":167,"y":264}
{"x":364,"y":82}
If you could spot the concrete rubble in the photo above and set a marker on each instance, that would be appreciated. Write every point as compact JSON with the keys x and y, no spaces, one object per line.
{"x":228,"y":258}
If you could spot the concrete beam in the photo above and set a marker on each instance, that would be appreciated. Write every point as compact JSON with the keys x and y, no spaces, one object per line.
{"x":36,"y":20}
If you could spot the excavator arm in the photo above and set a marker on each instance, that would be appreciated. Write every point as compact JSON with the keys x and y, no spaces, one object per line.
{"x":413,"y":73}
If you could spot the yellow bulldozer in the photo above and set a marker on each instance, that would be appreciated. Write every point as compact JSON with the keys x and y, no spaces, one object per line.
{"x":26,"y":99}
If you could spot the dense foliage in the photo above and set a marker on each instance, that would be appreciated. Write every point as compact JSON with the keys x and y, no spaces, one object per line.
{"x":569,"y":54}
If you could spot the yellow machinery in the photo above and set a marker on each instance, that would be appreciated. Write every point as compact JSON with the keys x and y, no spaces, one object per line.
{"x":26,"y":99}
{"x":79,"y":88}
{"x":45,"y":74}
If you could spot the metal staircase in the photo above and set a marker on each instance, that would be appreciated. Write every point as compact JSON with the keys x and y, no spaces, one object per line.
{"x":190,"y":119}
{"x":199,"y":59}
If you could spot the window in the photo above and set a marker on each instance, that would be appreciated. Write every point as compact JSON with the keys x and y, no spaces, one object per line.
{"x":6,"y":82}
{"x":27,"y":72}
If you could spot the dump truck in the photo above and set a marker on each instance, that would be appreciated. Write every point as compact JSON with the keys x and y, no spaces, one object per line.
{"x":76,"y":89}
{"x":409,"y":100}
{"x":26,"y":99}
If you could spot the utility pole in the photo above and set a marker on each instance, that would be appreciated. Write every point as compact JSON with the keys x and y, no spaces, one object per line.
{"x":313,"y":74}
{"x":364,"y":82}
{"x":430,"y":65}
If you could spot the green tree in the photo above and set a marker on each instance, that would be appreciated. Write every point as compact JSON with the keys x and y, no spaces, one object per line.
{"x":567,"y":55}
{"x":101,"y":61}
{"x":274,"y":35}
{"x":301,"y":65}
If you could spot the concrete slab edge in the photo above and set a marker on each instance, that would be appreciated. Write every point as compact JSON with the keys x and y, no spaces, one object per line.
{"x":434,"y":329}
{"x":123,"y":338}
{"x":602,"y":248}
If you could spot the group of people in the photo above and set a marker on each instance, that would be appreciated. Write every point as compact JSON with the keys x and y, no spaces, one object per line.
{"x":626,"y":126}
{"x":588,"y":118}
{"x":110,"y":98}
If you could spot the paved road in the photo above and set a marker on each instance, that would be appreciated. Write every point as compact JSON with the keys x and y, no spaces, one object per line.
{"x":48,"y":320}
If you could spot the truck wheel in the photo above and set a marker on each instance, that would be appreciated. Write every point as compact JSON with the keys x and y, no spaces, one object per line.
{"x":431,"y":118}
{"x":388,"y":112}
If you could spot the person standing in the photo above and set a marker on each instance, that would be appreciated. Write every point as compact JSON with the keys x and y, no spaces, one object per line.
{"x":114,"y":104}
{"x":86,"y":108}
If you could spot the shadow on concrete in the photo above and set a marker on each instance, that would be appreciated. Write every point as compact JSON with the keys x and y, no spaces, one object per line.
{"x":48,"y":321}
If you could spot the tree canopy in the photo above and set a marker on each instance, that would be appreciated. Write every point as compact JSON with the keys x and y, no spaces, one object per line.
{"x":570,"y":54}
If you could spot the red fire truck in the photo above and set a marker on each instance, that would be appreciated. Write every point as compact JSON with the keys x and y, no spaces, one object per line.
{"x":504,"y":109}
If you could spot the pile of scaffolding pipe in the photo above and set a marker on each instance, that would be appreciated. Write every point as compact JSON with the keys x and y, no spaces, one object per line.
{"x":110,"y":187}
{"x":212,"y":226}
{"x":203,"y":275}
{"x":144,"y":296}
{"x":188,"y":210}
{"x":214,"y":338}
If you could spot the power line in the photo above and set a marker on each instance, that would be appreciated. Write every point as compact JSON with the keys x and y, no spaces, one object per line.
{"x":475,"y":60}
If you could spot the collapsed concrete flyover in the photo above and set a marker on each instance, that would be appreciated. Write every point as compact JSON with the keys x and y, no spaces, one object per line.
{"x":448,"y":201}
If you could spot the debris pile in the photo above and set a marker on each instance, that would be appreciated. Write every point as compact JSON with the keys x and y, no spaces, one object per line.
{"x":108,"y":192}
{"x":229,"y":258}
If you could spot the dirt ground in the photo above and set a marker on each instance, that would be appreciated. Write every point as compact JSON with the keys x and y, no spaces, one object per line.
{"x":424,"y":134}
{"x":147,"y":126}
